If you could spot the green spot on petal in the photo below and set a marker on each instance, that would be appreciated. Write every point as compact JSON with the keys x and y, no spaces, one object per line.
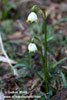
{"x":34,"y":51}
{"x":36,"y":21}
{"x":29,"y":51}
{"x":27,"y":20}
{"x":31,"y":21}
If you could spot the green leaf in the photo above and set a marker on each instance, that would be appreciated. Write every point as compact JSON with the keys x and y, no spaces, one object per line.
{"x":50,"y":38}
{"x":59,"y":62}
{"x":60,"y":21}
{"x":30,"y":67}
{"x":64,"y":80}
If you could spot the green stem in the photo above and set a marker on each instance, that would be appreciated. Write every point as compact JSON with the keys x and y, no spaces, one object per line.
{"x":44,"y":61}
{"x":30,"y":55}
{"x":45,"y":52}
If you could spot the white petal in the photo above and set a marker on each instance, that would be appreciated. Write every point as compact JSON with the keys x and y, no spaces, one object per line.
{"x":32,"y":17}
{"x":32,"y":47}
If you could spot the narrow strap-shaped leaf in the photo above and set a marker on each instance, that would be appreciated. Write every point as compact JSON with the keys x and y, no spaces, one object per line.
{"x":59,"y":62}
{"x":64,"y":80}
{"x":30,"y":67}
{"x":60,"y":21}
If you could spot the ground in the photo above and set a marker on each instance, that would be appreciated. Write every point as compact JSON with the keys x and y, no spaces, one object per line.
{"x":17,"y":34}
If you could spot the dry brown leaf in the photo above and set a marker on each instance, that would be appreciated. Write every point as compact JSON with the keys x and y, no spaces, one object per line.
{"x":15,"y":36}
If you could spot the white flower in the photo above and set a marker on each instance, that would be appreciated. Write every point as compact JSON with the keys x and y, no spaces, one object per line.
{"x":32,"y":47}
{"x":32,"y":17}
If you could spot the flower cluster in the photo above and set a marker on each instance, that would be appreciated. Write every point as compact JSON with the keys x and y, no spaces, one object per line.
{"x":32,"y":17}
{"x":32,"y":46}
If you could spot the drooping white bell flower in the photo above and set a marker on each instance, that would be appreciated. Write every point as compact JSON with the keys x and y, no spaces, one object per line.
{"x":32,"y":17}
{"x":32,"y":47}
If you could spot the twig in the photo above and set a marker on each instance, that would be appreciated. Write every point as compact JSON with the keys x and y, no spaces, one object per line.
{"x":43,"y":94}
{"x":3,"y":50}
{"x":34,"y":89}
{"x":5,"y":54}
